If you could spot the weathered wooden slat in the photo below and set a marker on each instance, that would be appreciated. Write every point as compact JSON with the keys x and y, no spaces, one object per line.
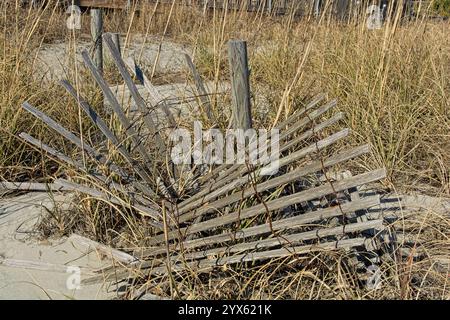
{"x":291,"y":239}
{"x":240,"y":85}
{"x":79,"y":166}
{"x":279,"y":203}
{"x":206,"y":265}
{"x":316,"y":100}
{"x":237,"y":170}
{"x":282,"y":224}
{"x":61,"y":130}
{"x":129,"y":129}
{"x":106,"y":250}
{"x":75,"y":140}
{"x":144,"y":210}
{"x":140,"y":103}
{"x":309,"y":133}
{"x":313,"y":103}
{"x":308,"y":119}
{"x":31,"y":186}
{"x":269,"y":184}
{"x":59,"y":155}
{"x":206,"y":194}
{"x":98,"y":121}
{"x":96,"y":34}
{"x":156,"y":98}
{"x":201,"y":91}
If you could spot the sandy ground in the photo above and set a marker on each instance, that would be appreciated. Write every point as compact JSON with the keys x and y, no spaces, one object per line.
{"x":61,"y":258}
{"x":53,"y":59}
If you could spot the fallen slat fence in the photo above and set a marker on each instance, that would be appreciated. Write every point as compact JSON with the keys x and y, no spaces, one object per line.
{"x":233,"y":214}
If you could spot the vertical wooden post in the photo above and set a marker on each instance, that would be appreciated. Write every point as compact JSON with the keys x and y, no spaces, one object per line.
{"x":317,"y":8}
{"x":269,"y":6}
{"x":240,"y":85}
{"x":116,"y":40}
{"x":96,"y":33}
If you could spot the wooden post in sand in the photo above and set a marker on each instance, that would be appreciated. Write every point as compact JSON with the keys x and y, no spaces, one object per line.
{"x":240,"y":85}
{"x":96,"y":33}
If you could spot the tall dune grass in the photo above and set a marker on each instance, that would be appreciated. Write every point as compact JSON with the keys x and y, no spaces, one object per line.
{"x":393,"y":85}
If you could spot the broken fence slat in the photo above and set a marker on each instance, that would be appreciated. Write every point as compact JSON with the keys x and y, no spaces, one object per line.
{"x":104,"y":249}
{"x":39,"y":265}
{"x":61,"y":130}
{"x":98,"y":121}
{"x":278,"y":225}
{"x":31,"y":186}
{"x":206,"y":194}
{"x":144,"y":210}
{"x":279,"y":203}
{"x":205,"y":265}
{"x":154,"y":95}
{"x":201,"y":91}
{"x":272,"y":183}
{"x":140,"y":103}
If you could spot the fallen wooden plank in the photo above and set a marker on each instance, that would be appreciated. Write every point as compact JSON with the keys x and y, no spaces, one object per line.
{"x":206,"y":193}
{"x":266,"y":185}
{"x":282,"y":202}
{"x":104,"y":249}
{"x":31,"y":186}
{"x":59,"y":155}
{"x":292,"y":239}
{"x":156,"y":98}
{"x":316,"y":100}
{"x":203,"y":95}
{"x":144,"y":210}
{"x":126,"y":124}
{"x":98,"y":121}
{"x":41,"y":266}
{"x":278,"y":225}
{"x":61,"y":130}
{"x":140,"y":103}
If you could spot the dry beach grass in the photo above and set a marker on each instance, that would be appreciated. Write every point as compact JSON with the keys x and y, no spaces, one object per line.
{"x":392,"y":84}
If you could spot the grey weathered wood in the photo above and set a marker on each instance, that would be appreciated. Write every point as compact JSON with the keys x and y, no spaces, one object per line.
{"x":309,"y":133}
{"x":203,"y":95}
{"x":143,"y":210}
{"x":104,"y":249}
{"x":278,"y":225}
{"x":156,"y":98}
{"x":279,"y":203}
{"x":98,"y":121}
{"x":37,"y":265}
{"x":135,"y":93}
{"x":183,"y":206}
{"x":126,"y":124}
{"x":74,"y":139}
{"x":59,"y":155}
{"x":307,"y":120}
{"x":116,"y":39}
{"x":96,"y":34}
{"x":206,"y":265}
{"x":287,"y":239}
{"x":272,"y":183}
{"x":62,"y":131}
{"x":31,"y":186}
{"x":240,"y":84}
{"x":316,"y":100}
{"x":313,"y":103}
